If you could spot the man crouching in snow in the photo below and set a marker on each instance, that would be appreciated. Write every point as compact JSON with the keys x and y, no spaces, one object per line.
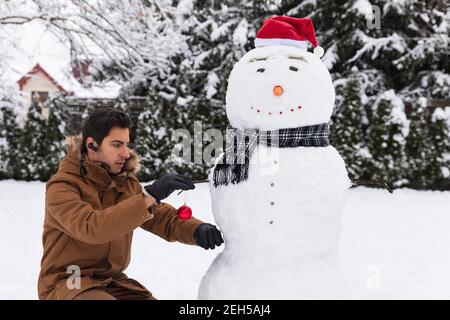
{"x":93,"y":204}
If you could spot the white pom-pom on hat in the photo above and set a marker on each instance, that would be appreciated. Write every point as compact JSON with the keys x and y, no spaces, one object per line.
{"x":318,"y":51}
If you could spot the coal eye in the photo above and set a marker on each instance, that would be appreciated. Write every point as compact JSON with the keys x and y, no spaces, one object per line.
{"x":293,"y":68}
{"x":261,"y":70}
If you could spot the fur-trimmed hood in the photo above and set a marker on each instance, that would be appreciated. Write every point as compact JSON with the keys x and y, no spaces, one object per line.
{"x":73,"y":145}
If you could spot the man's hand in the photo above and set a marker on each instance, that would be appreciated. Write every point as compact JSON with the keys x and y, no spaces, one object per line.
{"x":164,"y":186}
{"x":208,"y":236}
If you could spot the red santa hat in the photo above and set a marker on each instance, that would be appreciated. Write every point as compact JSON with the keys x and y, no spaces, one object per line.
{"x":288,"y":31}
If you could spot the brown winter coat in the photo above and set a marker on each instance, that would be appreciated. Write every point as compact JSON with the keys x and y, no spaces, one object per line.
{"x":89,"y":223}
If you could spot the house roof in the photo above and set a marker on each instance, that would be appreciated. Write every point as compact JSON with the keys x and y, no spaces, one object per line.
{"x":37,"y":68}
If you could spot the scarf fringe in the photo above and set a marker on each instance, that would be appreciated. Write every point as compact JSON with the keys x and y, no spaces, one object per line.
{"x":228,"y":173}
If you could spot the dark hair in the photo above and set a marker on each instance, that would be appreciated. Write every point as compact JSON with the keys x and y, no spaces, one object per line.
{"x":101,"y":121}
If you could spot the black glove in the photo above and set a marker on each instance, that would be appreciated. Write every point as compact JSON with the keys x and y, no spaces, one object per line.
{"x":164,"y":186}
{"x":208,"y":236}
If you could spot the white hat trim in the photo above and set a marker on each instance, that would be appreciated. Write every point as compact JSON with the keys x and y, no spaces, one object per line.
{"x":260,"y":42}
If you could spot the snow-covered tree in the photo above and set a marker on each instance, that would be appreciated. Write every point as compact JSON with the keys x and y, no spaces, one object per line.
{"x":9,"y":142}
{"x":439,"y":166}
{"x":13,"y":108}
{"x":347,"y":131}
{"x":127,"y":40}
{"x":418,"y":146}
{"x":31,"y":155}
{"x":54,"y":141}
{"x":152,"y":142}
{"x":387,"y":137}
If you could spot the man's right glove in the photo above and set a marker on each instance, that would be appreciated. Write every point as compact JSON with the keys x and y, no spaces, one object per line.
{"x":164,"y":186}
{"x":208,"y":236}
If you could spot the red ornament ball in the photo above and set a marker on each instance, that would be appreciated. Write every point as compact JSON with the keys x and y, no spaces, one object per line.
{"x":184,"y":212}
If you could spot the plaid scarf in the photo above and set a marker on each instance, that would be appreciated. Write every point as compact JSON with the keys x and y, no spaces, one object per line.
{"x":234,"y":164}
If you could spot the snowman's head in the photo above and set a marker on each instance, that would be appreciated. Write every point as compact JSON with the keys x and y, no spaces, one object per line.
{"x":277,"y":87}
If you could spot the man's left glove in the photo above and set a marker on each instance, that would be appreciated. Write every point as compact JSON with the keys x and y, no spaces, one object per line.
{"x":164,"y":186}
{"x":208,"y":236}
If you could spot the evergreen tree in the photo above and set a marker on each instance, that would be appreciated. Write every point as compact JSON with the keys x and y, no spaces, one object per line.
{"x":4,"y":159}
{"x":31,"y":156}
{"x":418,"y":146}
{"x":439,"y":166}
{"x":347,"y":132}
{"x":54,"y":142}
{"x":152,"y":141}
{"x":3,"y":149}
{"x":387,"y":133}
{"x":9,"y":143}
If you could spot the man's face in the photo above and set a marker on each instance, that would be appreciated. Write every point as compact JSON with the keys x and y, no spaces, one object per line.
{"x":113,"y":150}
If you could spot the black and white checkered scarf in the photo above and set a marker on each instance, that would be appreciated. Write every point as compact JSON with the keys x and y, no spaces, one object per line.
{"x":234,"y":163}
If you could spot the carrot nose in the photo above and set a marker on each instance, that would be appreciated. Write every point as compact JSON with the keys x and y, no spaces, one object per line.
{"x":277,"y":91}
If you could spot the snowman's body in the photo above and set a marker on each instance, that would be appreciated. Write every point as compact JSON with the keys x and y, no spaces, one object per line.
{"x":281,"y":226}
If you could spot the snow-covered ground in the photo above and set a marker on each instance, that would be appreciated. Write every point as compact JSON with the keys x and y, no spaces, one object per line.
{"x":395,"y":245}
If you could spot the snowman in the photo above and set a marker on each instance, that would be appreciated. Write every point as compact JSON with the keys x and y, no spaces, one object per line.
{"x":279,"y":189}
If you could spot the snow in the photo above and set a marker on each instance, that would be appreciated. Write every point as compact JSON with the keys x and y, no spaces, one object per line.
{"x":200,"y":59}
{"x":364,"y":152}
{"x":182,"y":102}
{"x":441,"y":78}
{"x":425,"y":17}
{"x":185,"y":7}
{"x":375,"y":45}
{"x":399,"y":5}
{"x":330,"y":57}
{"x":394,"y":245}
{"x":365,"y":8}
{"x":446,"y":156}
{"x":106,"y":90}
{"x":441,"y":114}
{"x":213,"y":81}
{"x":445,"y":172}
{"x":161,"y":132}
{"x":240,"y":33}
{"x":398,"y":115}
{"x":417,"y":232}
{"x":220,"y":31}
{"x":295,"y":10}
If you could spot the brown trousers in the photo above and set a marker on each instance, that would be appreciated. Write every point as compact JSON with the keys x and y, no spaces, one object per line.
{"x":111,"y":293}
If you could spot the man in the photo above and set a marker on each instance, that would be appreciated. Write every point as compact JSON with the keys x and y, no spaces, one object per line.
{"x":93,"y":204}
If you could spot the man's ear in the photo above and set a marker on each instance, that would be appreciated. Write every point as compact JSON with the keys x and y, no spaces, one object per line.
{"x":90,"y":143}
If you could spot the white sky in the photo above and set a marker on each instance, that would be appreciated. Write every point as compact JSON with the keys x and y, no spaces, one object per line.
{"x":33,"y":43}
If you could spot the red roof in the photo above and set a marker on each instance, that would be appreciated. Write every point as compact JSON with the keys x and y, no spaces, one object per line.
{"x":22,"y":81}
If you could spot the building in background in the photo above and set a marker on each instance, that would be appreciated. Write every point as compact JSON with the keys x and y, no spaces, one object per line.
{"x":38,"y":85}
